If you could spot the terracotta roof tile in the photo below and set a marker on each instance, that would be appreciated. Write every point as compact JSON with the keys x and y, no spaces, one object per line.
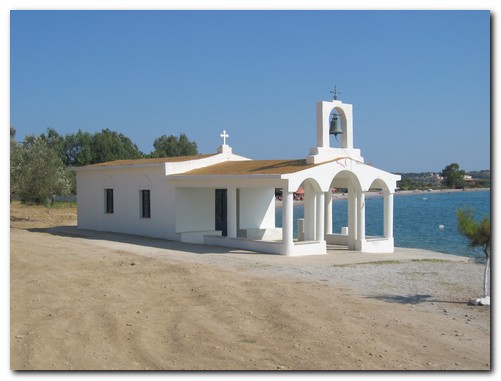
{"x":150,"y":161}
{"x":252,"y":167}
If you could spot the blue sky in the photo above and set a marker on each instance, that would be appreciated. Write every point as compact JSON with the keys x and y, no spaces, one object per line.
{"x":419,"y":81}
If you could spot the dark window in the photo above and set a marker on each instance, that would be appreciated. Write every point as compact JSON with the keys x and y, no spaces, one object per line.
{"x":145,"y":203}
{"x":109,"y":200}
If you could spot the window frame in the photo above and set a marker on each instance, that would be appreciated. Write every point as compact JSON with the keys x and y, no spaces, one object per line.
{"x":145,"y":203}
{"x":109,"y":201}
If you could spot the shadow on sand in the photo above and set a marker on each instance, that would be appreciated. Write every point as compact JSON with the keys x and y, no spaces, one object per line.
{"x":410,"y":299}
{"x":159,"y":243}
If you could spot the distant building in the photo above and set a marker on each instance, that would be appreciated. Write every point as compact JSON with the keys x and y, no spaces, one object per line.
{"x":229,"y":200}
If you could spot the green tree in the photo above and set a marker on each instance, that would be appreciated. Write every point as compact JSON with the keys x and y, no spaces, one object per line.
{"x":109,"y":145}
{"x":453,"y":176}
{"x":406,"y":184}
{"x":478,"y":233}
{"x":77,"y":149}
{"x":55,"y":141}
{"x":170,"y":146}
{"x":38,"y":171}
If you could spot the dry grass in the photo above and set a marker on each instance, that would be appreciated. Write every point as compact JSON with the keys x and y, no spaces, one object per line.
{"x":38,"y":216}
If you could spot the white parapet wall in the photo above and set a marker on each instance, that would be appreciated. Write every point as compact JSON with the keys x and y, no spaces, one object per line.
{"x":266,"y":247}
{"x":300,"y":249}
{"x":197,"y":237}
{"x":297,"y":249}
{"x":270,"y":234}
{"x":376,"y":245}
{"x":337,"y":239}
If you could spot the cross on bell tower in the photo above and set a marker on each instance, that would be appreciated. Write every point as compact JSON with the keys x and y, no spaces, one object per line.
{"x":335,"y":93}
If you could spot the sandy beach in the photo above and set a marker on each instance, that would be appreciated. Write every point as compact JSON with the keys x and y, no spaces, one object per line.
{"x":103,"y":301}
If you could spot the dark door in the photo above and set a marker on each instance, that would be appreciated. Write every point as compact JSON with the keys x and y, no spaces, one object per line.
{"x":221,"y":212}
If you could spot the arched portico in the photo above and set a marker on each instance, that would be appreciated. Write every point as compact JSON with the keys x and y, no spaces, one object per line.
{"x":384,"y":244}
{"x":387,"y":207}
{"x":357,"y":178}
{"x":313,"y":241}
{"x":356,"y":216}
{"x":313,"y":211}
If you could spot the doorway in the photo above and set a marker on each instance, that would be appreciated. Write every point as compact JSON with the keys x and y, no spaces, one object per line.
{"x":221,"y":211}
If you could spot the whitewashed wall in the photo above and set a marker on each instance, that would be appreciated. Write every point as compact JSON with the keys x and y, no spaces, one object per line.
{"x":195,"y":209}
{"x":126,"y":217}
{"x":257,"y":208}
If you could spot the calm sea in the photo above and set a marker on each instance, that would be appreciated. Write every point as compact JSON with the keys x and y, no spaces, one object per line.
{"x":421,"y":220}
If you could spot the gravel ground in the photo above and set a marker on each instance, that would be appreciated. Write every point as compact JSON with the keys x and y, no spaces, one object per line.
{"x":210,"y":307}
{"x":431,"y":281}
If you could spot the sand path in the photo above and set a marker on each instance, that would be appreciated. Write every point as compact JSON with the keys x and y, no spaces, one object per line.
{"x":86,"y":300}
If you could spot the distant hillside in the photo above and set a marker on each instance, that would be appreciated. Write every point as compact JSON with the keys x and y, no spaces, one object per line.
{"x":484,"y":174}
{"x":433,"y":180}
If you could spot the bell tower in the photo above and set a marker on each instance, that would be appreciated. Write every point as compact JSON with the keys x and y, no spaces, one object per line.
{"x":340,"y":124}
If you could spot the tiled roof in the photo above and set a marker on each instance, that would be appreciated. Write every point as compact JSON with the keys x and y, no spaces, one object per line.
{"x":150,"y":161}
{"x":252,"y":167}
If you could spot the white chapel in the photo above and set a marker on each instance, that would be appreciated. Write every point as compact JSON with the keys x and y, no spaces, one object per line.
{"x":229,"y":200}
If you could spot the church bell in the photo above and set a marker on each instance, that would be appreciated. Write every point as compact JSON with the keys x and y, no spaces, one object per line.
{"x":335,"y":127}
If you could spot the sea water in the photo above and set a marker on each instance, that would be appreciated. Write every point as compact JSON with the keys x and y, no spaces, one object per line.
{"x":424,"y":220}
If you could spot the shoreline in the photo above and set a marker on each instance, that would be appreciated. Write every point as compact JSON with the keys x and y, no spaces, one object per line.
{"x":344,"y":196}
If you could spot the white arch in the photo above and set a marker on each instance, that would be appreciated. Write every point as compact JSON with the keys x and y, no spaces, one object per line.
{"x":324,"y":110}
{"x":313,"y":182}
{"x":368,"y":175}
{"x":346,"y":179}
{"x":379,"y":183}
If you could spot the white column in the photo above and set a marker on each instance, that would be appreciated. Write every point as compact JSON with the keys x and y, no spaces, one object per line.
{"x":388,"y":215}
{"x":328,"y":212}
{"x":361,"y":216}
{"x":287,"y":221}
{"x":309,"y":212}
{"x":352,"y":218}
{"x":323,"y":112}
{"x":320,"y":216}
{"x":232,"y":212}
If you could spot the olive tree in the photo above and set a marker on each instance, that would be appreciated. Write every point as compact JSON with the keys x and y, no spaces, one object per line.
{"x":479,"y":234}
{"x":15,"y":163}
{"x":37,"y":171}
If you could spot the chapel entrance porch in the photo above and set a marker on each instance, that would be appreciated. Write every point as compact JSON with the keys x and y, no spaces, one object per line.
{"x":239,"y":210}
{"x":228,"y":212}
{"x":245,"y":218}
